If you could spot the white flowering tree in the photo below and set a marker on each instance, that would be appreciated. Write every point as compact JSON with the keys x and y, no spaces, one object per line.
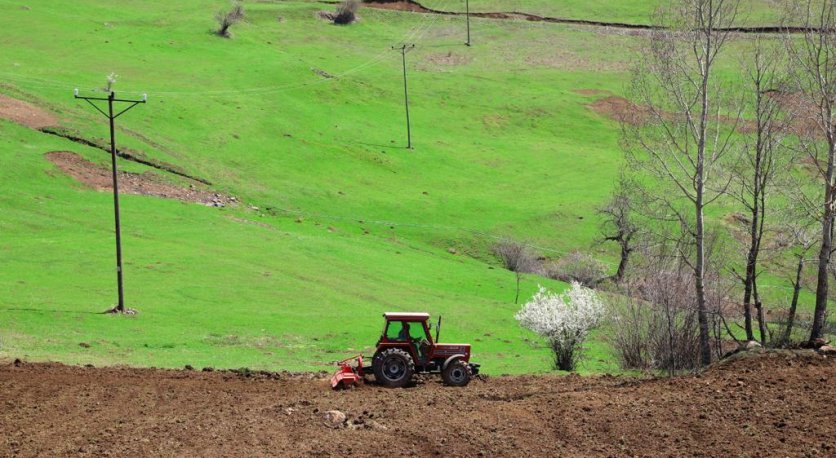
{"x":564,"y":320}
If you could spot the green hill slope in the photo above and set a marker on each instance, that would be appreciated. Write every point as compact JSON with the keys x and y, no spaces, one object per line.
{"x":303,"y":122}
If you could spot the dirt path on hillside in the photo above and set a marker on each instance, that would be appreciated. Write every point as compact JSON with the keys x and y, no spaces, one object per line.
{"x":773,"y":405}
{"x":416,"y":7}
{"x":146,"y":184}
{"x":802,"y":121}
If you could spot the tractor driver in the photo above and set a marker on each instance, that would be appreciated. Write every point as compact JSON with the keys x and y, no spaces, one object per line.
{"x":404,"y":334}
{"x":418,"y":343}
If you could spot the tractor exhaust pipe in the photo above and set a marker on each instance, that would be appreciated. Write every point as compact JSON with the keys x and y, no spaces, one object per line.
{"x":437,"y":328}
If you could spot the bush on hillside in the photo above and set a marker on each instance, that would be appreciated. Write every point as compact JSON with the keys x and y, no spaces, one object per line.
{"x":228,"y":19}
{"x":579,"y":267}
{"x":655,"y":326}
{"x":516,"y":257}
{"x":347,"y":12}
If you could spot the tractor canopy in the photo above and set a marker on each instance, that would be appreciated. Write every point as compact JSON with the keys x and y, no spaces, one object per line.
{"x":401,"y":316}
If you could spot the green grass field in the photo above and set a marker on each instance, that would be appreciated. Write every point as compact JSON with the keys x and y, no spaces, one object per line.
{"x":349,"y":222}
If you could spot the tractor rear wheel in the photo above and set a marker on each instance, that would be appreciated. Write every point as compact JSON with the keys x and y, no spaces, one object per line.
{"x":393,"y":367}
{"x":457,"y":373}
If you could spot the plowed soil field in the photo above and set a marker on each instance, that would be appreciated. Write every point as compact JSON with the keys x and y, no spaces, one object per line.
{"x":767,"y":405}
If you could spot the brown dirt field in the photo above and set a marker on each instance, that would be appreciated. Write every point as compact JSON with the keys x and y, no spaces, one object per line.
{"x":146,"y":184}
{"x":778,"y":404}
{"x":25,"y":113}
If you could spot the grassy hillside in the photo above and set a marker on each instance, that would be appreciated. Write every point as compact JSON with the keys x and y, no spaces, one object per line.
{"x":303,"y":122}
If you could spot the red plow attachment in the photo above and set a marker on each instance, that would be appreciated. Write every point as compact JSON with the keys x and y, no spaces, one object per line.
{"x":348,"y":376}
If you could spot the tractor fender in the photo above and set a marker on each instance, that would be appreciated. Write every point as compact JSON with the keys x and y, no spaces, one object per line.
{"x":450,"y":360}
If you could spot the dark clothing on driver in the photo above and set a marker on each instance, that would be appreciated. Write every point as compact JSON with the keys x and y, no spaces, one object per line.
{"x":404,"y":334}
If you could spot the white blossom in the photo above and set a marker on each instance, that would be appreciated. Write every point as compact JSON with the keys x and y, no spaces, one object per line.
{"x":564,"y":319}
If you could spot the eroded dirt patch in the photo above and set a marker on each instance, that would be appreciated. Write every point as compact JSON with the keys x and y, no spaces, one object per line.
{"x":25,"y":113}
{"x":769,"y":405}
{"x":799,"y":114}
{"x":446,"y":59}
{"x":564,"y":59}
{"x":621,"y":110}
{"x":147,"y":184}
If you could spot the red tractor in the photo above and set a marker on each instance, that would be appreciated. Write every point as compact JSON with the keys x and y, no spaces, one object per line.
{"x":405,"y":348}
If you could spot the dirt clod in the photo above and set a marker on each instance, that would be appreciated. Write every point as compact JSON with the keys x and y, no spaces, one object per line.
{"x":335,"y":418}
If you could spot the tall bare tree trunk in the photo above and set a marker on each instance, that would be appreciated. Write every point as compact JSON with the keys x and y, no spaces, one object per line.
{"x":622,"y":264}
{"x":699,"y":181}
{"x":826,"y":250}
{"x":699,"y":283}
{"x":796,"y":291}
{"x":618,"y":225}
{"x":754,"y":246}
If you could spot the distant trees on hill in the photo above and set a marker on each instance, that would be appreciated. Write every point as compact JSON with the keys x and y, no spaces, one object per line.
{"x":713,"y":138}
{"x":758,"y":138}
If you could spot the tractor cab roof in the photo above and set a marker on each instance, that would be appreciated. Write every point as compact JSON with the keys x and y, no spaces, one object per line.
{"x":402,"y":316}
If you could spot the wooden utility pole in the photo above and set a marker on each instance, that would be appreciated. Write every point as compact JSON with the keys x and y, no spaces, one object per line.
{"x":405,"y":48}
{"x":110,"y":99}
{"x":467,"y":14}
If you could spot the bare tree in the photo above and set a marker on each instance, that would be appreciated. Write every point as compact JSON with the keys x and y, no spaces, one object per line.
{"x":687,"y":135}
{"x":227,"y":19}
{"x":516,"y":257}
{"x":802,"y":237}
{"x":813,"y":58}
{"x":765,"y":162}
{"x":619,"y":225}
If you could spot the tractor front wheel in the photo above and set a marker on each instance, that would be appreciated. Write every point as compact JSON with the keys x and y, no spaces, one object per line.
{"x":457,"y":373}
{"x":393,"y":368}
